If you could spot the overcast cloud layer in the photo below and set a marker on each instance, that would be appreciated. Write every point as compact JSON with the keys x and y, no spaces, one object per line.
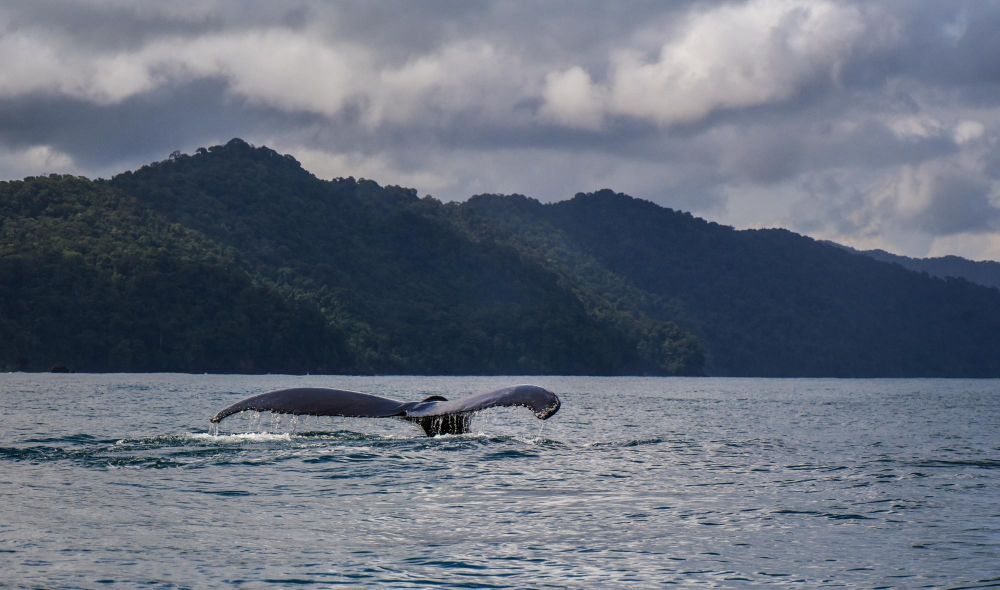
{"x":873,"y":124}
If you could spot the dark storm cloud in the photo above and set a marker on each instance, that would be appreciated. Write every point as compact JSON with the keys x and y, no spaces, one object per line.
{"x":872,"y":123}
{"x":956,"y":203}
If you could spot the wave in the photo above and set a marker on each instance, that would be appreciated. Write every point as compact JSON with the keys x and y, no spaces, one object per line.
{"x":201,"y":449}
{"x":983,"y":463}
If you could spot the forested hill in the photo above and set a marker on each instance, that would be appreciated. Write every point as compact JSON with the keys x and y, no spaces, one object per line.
{"x":235,"y":259}
{"x":763,"y":302}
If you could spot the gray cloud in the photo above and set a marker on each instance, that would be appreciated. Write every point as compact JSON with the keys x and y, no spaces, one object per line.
{"x":872,"y":124}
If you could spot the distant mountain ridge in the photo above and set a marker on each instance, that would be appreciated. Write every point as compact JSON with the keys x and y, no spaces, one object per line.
{"x":981,"y":272}
{"x":235,"y":259}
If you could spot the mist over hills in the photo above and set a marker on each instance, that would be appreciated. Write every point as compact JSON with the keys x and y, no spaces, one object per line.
{"x":236,"y":259}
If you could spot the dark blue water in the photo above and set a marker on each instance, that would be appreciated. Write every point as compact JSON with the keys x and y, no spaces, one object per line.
{"x":114,"y":481}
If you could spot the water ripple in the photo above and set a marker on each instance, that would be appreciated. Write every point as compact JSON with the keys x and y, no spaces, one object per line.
{"x":635,"y":483}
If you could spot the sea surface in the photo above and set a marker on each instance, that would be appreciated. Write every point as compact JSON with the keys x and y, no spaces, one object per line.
{"x":115,"y":481}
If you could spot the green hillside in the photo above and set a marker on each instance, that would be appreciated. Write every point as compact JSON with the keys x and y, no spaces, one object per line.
{"x":236,"y":259}
{"x":763,"y":302}
{"x":92,"y":279}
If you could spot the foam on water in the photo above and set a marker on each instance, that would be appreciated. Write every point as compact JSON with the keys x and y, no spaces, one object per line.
{"x":240,"y":437}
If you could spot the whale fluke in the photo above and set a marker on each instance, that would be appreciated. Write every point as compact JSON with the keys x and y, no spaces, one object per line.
{"x":541,"y":401}
{"x":317,"y":401}
{"x":435,"y":414}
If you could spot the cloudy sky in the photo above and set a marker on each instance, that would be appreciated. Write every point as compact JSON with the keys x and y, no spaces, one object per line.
{"x":875,"y":124}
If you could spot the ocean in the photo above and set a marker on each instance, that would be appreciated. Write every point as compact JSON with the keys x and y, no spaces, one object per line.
{"x":116,"y":481}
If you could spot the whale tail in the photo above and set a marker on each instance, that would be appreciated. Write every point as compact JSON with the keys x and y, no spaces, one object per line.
{"x":435,"y":414}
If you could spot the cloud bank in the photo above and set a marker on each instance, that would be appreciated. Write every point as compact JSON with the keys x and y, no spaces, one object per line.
{"x":873,"y":124}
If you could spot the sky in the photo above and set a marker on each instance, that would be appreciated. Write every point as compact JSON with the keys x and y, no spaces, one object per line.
{"x":874,"y":124}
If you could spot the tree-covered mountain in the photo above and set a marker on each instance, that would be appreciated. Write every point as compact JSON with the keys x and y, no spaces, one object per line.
{"x":763,"y":302}
{"x":237,"y":259}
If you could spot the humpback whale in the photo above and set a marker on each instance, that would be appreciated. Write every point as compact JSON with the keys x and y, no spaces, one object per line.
{"x":435,"y":414}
